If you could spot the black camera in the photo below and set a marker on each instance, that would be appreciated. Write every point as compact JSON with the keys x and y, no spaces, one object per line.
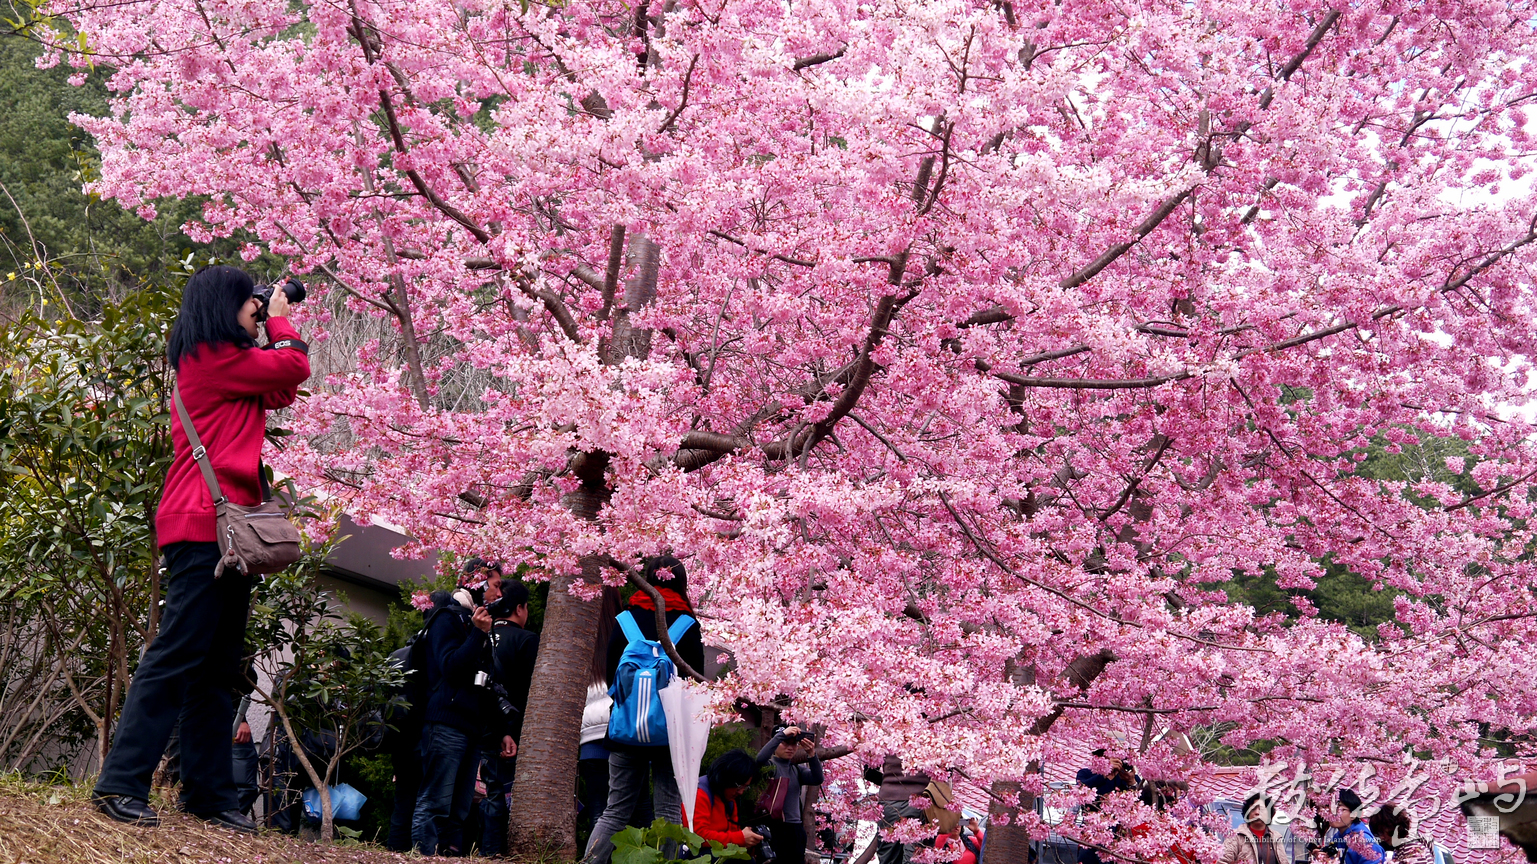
{"x":764,"y":851}
{"x":293,"y":288}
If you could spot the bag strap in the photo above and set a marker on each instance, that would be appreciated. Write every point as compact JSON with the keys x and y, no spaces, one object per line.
{"x":199,"y":452}
{"x":679,"y":627}
{"x":631,"y":628}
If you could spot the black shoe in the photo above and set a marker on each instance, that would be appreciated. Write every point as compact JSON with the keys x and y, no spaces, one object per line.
{"x":133,"y":811}
{"x":234,"y":820}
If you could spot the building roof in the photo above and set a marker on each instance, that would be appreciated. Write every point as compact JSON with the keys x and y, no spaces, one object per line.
{"x":364,"y":558}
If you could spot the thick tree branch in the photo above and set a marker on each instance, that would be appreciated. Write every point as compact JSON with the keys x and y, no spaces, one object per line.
{"x":818,"y":59}
{"x":610,"y":283}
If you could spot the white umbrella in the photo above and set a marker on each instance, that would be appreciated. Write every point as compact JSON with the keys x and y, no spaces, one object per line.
{"x":687,"y":736}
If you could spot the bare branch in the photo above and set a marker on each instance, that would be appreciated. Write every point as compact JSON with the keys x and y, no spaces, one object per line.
{"x":798,"y":262}
{"x":688,"y":77}
{"x":818,"y":59}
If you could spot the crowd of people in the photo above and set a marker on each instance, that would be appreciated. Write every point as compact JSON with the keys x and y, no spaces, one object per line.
{"x":470,"y":668}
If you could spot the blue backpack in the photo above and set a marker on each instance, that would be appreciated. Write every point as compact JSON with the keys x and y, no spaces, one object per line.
{"x":644,"y":669}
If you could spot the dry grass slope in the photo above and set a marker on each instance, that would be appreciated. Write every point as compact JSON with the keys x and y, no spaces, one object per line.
{"x":55,"y":825}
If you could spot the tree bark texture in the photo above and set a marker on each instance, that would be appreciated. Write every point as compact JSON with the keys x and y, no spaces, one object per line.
{"x":1010,"y":844}
{"x":543,"y":811}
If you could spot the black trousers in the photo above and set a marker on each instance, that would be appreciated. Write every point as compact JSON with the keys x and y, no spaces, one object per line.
{"x":186,"y":675}
{"x":789,"y":842}
{"x":407,"y":762}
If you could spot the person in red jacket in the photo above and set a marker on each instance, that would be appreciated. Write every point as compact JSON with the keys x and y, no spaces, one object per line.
{"x":228,"y":385}
{"x":715,"y":807}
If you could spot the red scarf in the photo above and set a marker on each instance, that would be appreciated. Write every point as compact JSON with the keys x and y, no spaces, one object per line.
{"x":675,"y":602}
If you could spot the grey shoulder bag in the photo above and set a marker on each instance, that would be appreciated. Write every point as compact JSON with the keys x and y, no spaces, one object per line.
{"x":253,"y":540}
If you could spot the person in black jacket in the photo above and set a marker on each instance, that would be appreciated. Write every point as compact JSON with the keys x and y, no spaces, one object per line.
{"x":627,"y":765}
{"x":458,"y":647}
{"x":513,"y":652}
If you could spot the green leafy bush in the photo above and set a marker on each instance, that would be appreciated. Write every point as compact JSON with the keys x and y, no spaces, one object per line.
{"x":636,"y":846}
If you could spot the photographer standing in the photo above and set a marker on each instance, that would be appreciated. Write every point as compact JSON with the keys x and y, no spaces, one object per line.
{"x":227,"y":385}
{"x":459,"y":711}
{"x":1120,"y":777}
{"x":788,"y":836}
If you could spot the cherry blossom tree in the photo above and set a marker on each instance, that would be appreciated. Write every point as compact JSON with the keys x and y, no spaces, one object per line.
{"x":961,"y":347}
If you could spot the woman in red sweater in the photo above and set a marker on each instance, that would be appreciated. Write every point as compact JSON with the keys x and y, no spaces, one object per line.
{"x":715,"y":808}
{"x":228,"y":385}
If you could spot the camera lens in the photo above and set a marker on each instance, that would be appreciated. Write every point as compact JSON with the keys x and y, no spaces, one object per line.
{"x":294,"y":289}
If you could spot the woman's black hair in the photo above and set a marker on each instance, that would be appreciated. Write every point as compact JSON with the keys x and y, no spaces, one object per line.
{"x":731,"y":769}
{"x":666,"y":571}
{"x":1392,"y":826}
{"x":210,"y":307}
{"x":612,"y":605}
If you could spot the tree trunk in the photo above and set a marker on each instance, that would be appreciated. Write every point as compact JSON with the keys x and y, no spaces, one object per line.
{"x":543,"y":794}
{"x":1010,"y":844}
{"x":327,"y":817}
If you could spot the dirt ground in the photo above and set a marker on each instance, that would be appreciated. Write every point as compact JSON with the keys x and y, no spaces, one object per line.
{"x":55,"y":825}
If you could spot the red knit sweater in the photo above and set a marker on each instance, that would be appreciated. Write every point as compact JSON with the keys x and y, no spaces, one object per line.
{"x":713,"y":822}
{"x":228,"y":391}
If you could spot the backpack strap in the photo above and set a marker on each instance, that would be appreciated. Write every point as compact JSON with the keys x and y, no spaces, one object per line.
{"x":631,"y":628}
{"x":679,"y":627}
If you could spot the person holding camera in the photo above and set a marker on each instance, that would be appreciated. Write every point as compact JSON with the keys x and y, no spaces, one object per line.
{"x":717,"y":805}
{"x":459,"y":709}
{"x":783,"y":752}
{"x":1349,"y":839}
{"x":227,"y":385}
{"x":1121,"y":777}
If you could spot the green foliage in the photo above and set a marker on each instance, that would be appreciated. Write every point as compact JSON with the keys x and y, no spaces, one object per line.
{"x":326,"y":672}
{"x":644,"y":846}
{"x":57,"y":241}
{"x":84,"y":447}
{"x":402,"y":623}
{"x":1339,"y":593}
{"x":727,"y":736}
{"x":92,"y":247}
{"x":374,"y":776}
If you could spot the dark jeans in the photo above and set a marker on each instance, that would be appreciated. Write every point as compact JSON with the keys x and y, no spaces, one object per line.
{"x":892,"y":812}
{"x":498,"y":774}
{"x":626,"y":788}
{"x":186,"y":674}
{"x":406,"y":759}
{"x":594,"y":774}
{"x":789,"y":842}
{"x":449,"y":759}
